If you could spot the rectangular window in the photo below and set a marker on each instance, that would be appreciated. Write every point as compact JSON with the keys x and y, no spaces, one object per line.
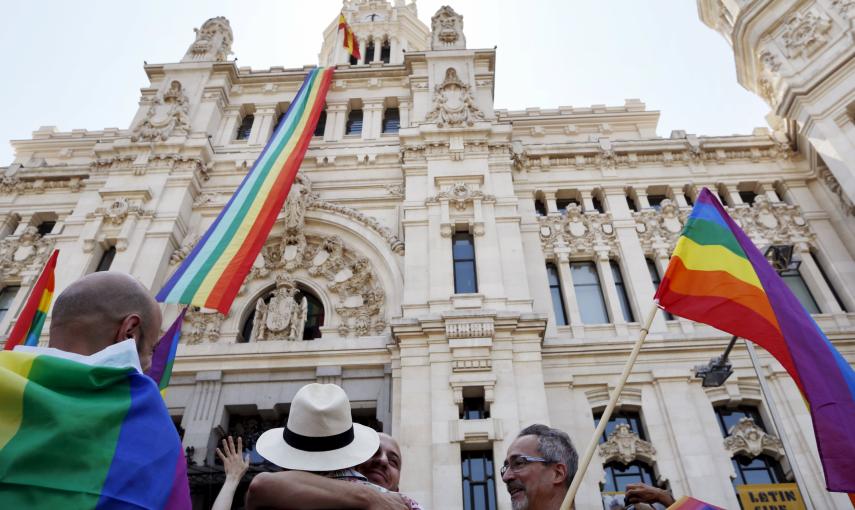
{"x":654,"y":277}
{"x":793,"y":279}
{"x":354,"y":123}
{"x":391,"y":120}
{"x":747,"y":197}
{"x":618,"y":476}
{"x":730,"y":417}
{"x":386,"y":52}
{"x":623,"y":297}
{"x":463,"y":252}
{"x":598,"y":204}
{"x":45,"y":227}
{"x":245,"y":127}
{"x":474,"y":408}
{"x":631,"y":204}
{"x":321,"y":125}
{"x":555,"y":292}
{"x":479,"y":485}
{"x":540,"y":206}
{"x":630,"y":418}
{"x":655,"y":201}
{"x":7,"y":295}
{"x":106,"y":259}
{"x":589,"y":293}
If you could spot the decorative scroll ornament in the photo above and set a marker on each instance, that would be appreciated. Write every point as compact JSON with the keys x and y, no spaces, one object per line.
{"x":29,"y":251}
{"x":459,"y":195}
{"x":281,"y":317}
{"x":805,"y":33}
{"x":213,"y":42}
{"x":580,"y":232}
{"x":624,"y":446}
{"x":746,"y":438}
{"x":348,"y":276}
{"x":658,"y":230}
{"x":167,"y":115}
{"x":447,"y":30}
{"x":453,"y":104}
{"x":772,"y":223}
{"x":202,"y":326}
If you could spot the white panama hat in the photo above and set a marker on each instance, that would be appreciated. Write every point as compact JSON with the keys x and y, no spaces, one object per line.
{"x":320,"y":434}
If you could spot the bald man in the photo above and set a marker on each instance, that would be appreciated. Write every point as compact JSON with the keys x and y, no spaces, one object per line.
{"x":102,"y":309}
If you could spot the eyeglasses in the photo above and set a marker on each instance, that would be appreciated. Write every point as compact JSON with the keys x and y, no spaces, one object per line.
{"x":518,"y":462}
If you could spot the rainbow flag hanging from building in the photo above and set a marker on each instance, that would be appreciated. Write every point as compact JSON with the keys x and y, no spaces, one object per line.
{"x":717,"y":276}
{"x":164,"y":354}
{"x":75,"y":435}
{"x":29,"y":326}
{"x":214,"y":271}
{"x":350,"y":43}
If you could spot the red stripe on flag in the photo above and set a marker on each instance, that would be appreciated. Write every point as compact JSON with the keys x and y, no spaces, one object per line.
{"x":25,"y":320}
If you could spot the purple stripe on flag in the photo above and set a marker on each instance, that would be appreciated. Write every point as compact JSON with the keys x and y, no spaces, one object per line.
{"x":165,"y":349}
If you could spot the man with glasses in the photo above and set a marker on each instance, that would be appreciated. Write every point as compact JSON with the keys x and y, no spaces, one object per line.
{"x":539,"y":468}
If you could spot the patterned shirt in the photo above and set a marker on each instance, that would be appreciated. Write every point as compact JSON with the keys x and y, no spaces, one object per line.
{"x":352,"y":475}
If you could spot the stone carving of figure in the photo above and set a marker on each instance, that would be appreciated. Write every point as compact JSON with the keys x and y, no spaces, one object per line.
{"x":447,"y":30}
{"x":213,"y":42}
{"x":166,"y":115}
{"x":30,"y":249}
{"x":282,"y":318}
{"x":453,"y":104}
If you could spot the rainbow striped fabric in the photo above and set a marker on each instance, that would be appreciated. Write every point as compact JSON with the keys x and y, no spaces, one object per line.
{"x":84,"y":436}
{"x":32,"y":319}
{"x":214,"y":271}
{"x":164,"y":354}
{"x":687,"y":503}
{"x":717,"y":276}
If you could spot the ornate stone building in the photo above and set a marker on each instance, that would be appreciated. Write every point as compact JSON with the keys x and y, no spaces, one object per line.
{"x":459,"y":269}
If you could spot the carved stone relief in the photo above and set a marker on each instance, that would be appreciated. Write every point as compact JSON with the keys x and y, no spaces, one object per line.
{"x":746,"y":438}
{"x":447,"y":30}
{"x":453,"y":104}
{"x":459,"y":195}
{"x":804,"y":33}
{"x":349,"y":277}
{"x":624,"y":446}
{"x":658,"y":230}
{"x":834,"y":186}
{"x":282,"y":317}
{"x":166,"y":115}
{"x":577,"y":232}
{"x":846,"y":8}
{"x":30,"y":250}
{"x":201,"y":326}
{"x":469,"y":329}
{"x":213,"y":41}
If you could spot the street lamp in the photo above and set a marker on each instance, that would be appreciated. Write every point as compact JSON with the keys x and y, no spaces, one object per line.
{"x":718,"y":369}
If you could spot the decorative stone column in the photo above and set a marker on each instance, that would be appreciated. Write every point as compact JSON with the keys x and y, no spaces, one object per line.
{"x":229,"y":125}
{"x":372,"y":110}
{"x":263,"y":126}
{"x":336,"y":118}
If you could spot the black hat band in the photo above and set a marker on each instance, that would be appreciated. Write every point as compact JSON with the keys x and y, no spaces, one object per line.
{"x":317,"y":444}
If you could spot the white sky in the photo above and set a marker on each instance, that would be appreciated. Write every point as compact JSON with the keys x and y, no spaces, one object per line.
{"x":79,"y":64}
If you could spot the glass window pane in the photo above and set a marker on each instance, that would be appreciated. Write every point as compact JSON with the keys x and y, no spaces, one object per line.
{"x":354,"y":123}
{"x":621,"y":292}
{"x":558,"y":307}
{"x":797,"y":285}
{"x":463,"y":247}
{"x":391,"y":120}
{"x":7,"y":295}
{"x":464,"y":277}
{"x":584,"y":273}
{"x":477,"y":466}
{"x":591,"y":305}
{"x":321,"y":125}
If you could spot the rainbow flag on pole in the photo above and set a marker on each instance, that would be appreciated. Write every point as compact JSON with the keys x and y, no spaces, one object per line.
{"x":29,"y":326}
{"x":717,"y":276}
{"x":164,"y":354}
{"x":85,"y":436}
{"x":214,"y":271}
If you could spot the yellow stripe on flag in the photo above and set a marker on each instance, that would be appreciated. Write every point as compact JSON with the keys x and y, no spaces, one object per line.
{"x":699,"y":257}
{"x":14,"y":370}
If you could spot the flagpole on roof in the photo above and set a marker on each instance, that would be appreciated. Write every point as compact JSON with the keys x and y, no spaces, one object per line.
{"x":778,"y":425}
{"x":604,"y":419}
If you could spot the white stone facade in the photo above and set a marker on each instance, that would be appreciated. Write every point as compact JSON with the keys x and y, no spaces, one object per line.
{"x":368,"y":231}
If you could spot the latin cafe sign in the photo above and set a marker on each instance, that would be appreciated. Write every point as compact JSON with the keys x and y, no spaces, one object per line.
{"x":775,"y":496}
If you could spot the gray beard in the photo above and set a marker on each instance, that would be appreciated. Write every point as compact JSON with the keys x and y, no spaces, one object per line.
{"x":520,"y":504}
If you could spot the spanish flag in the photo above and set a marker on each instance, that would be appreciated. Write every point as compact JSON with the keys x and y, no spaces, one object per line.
{"x":29,"y":326}
{"x":350,"y":42}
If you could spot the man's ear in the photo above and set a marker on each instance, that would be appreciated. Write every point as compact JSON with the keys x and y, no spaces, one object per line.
{"x":560,"y":473}
{"x":129,"y":328}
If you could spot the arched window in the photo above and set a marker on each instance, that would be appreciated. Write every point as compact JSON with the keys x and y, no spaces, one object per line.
{"x":314,"y":315}
{"x":386,"y":51}
{"x":245,"y":127}
{"x":369,"y":51}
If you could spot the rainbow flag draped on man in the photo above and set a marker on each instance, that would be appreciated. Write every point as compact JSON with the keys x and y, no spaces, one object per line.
{"x":717,"y":276}
{"x":79,"y":435}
